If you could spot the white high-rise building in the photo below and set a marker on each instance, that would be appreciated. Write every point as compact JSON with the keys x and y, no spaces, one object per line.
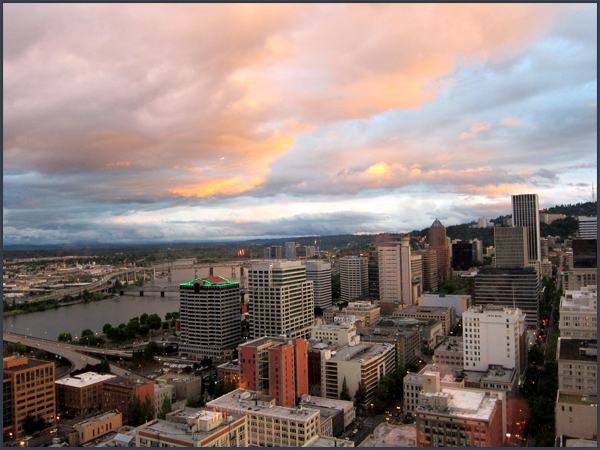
{"x":511,"y":247}
{"x":525,"y":213}
{"x":319,"y":272}
{"x":280,"y":300}
{"x":354,"y":277}
{"x":210,"y":317}
{"x":290,"y":250}
{"x":588,"y":227}
{"x":494,"y":335}
{"x":395,"y":277}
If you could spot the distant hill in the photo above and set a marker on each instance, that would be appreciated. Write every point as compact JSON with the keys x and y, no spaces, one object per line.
{"x":589,"y":209}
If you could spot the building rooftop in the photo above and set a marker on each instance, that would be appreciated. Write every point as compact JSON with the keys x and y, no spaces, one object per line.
{"x":447,"y":373}
{"x":451,"y":344}
{"x":128,"y":382}
{"x":386,"y":435}
{"x":85,"y":379}
{"x":230,"y":365}
{"x":22,"y":362}
{"x":328,"y":441}
{"x":425,"y":309}
{"x":499,"y":374}
{"x":577,"y":399}
{"x":360,"y":353}
{"x":244,"y":401}
{"x":326,"y":402}
{"x":98,"y":418}
{"x":577,"y":349}
{"x":462,"y":403}
{"x":211,"y":281}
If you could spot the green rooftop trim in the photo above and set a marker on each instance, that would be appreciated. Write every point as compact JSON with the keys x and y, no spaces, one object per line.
{"x":208,"y":283}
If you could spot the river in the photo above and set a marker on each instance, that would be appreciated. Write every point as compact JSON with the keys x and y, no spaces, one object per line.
{"x":75,"y":318}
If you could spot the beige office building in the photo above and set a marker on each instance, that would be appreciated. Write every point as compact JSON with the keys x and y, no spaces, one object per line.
{"x":578,"y":314}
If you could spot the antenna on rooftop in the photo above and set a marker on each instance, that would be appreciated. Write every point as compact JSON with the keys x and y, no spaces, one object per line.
{"x":593,"y":199}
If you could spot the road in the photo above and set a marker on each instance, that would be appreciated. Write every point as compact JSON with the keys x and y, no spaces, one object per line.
{"x":67,"y":351}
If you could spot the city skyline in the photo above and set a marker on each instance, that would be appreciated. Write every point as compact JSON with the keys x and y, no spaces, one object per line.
{"x":197,"y":122}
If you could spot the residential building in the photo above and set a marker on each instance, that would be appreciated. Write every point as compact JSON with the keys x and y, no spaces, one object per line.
{"x":549,"y":218}
{"x":95,"y":427}
{"x":29,"y":386}
{"x":366,"y":362}
{"x":269,"y":424}
{"x":319,"y":272}
{"x":186,"y":385}
{"x":445,"y":314}
{"x":354,"y":277}
{"x":210,"y":318}
{"x":162,"y":392}
{"x":433,"y":332}
{"x":588,"y":227}
{"x":450,"y":352}
{"x":429,"y":263}
{"x":525,"y":213}
{"x":578,"y":314}
{"x":290,"y":250}
{"x":460,"y":302}
{"x":439,"y":243}
{"x":229,"y":372}
{"x":449,"y":377}
{"x":274,"y":252}
{"x":510,"y":287}
{"x":575,"y":279}
{"x":546,"y":269}
{"x":276,"y":366}
{"x":370,"y":311}
{"x":511,"y":247}
{"x":117,"y":393}
{"x":494,"y":335}
{"x":309,"y":251}
{"x":81,"y":392}
{"x":395,"y":277}
{"x":281,"y":300}
{"x":191,"y":427}
{"x":458,"y":418}
{"x":577,"y":396}
{"x":340,"y":335}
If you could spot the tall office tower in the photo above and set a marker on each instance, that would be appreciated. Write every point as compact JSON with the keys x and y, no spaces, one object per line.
{"x":516,"y":287}
{"x":494,"y":335}
{"x":588,"y":227}
{"x":439,"y":243}
{"x":28,"y":390}
{"x":578,"y":314}
{"x":276,"y":252}
{"x":354,"y":277}
{"x":373,"y":271}
{"x":585,"y":253}
{"x":267,"y":253}
{"x":511,"y":246}
{"x":463,"y":255}
{"x":319,"y":272}
{"x":525,"y":213}
{"x":478,"y":249}
{"x":544,"y":248}
{"x":290,"y":250}
{"x":210,"y":318}
{"x":281,"y":300}
{"x":416,"y":271}
{"x":310,"y":251}
{"x":395,"y":278}
{"x":276,"y":366}
{"x":430,"y":281}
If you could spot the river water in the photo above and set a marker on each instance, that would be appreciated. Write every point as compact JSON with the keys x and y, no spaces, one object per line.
{"x":75,"y":318}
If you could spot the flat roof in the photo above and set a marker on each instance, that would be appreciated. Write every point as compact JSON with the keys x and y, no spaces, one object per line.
{"x":85,"y":379}
{"x":499,"y":375}
{"x":95,"y":419}
{"x":463,"y":403}
{"x":211,"y":281}
{"x":183,"y":432}
{"x":577,"y":399}
{"x":233,"y":402}
{"x":126,"y":382}
{"x":328,"y":403}
{"x":366,"y":351}
{"x":568,"y":349}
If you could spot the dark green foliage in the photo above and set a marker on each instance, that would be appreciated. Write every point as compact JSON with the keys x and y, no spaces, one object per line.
{"x":165,"y":408}
{"x":336,"y":290}
{"x":345,"y":394}
{"x":588,"y":209}
{"x":65,"y":337}
{"x":15,"y":348}
{"x":32,"y":424}
{"x":211,"y":386}
{"x":154,"y":322}
{"x":561,"y":227}
{"x":139,"y":412}
{"x":143,"y":319}
{"x":104,"y":367}
{"x":361,"y":394}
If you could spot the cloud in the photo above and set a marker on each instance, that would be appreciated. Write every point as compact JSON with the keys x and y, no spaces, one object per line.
{"x":511,"y":122}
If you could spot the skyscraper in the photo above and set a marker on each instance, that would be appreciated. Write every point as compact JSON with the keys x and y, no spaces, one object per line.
{"x":588,"y":227}
{"x":439,"y":243}
{"x":210,"y":317}
{"x":354,"y":277}
{"x":319,"y":272}
{"x":290,"y":250}
{"x":525,"y":213}
{"x":511,"y":246}
{"x":281,"y":300}
{"x":395,"y":275}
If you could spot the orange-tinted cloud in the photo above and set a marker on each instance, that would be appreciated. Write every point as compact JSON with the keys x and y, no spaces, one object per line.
{"x":511,"y":122}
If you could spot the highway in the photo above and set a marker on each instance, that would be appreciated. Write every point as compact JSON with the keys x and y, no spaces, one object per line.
{"x":67,"y":351}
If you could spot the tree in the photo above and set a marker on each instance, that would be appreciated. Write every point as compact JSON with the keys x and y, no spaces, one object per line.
{"x":361,"y":394}
{"x":336,"y":291}
{"x":146,"y":410}
{"x":143,"y":318}
{"x":190,"y":403}
{"x":382,"y":396}
{"x":219,"y":389}
{"x":39,"y":354}
{"x":211,"y":386}
{"x":104,"y":367}
{"x":344,"y":394}
{"x":165,"y":408}
{"x":65,"y":337}
{"x":154,"y":322}
{"x":15,"y":348}
{"x":106,"y":328}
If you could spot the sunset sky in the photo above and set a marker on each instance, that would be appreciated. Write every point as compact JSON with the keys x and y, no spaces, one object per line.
{"x":163,"y":122}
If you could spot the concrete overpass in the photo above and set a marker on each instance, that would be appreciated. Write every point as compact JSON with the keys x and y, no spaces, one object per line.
{"x":71,"y":352}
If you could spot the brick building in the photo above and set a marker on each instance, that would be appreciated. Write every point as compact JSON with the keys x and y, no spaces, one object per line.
{"x":116,"y":394}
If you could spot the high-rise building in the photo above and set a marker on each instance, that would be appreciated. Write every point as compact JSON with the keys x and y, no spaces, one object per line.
{"x":463,"y":255}
{"x":310,"y":251}
{"x":438,"y":242}
{"x":319,"y":272}
{"x":588,"y":227}
{"x":28,"y":390}
{"x":281,"y":300}
{"x":395,"y":277}
{"x":210,"y":318}
{"x":416,"y":273}
{"x":511,"y":246}
{"x":373,"y":272}
{"x":354,"y":277}
{"x":585,"y":254}
{"x":429,"y":263}
{"x":525,"y":213}
{"x":578,"y":314}
{"x":494,"y":335}
{"x":290,"y":250}
{"x":544,"y":248}
{"x":511,"y":287}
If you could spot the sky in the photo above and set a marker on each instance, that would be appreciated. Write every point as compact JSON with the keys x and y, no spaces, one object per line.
{"x":189,"y":122}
